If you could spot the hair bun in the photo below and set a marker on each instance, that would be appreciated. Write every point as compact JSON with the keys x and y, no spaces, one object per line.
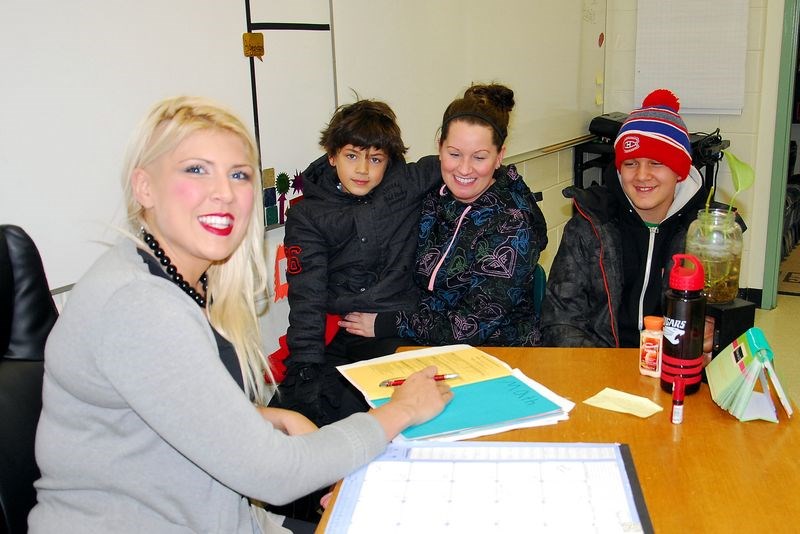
{"x":663,"y":98}
{"x":499,"y":96}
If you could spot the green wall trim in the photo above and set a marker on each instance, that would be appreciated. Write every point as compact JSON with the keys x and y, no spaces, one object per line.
{"x":779,"y":155}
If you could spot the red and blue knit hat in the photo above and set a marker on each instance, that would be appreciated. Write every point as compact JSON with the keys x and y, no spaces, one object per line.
{"x":656,"y":131}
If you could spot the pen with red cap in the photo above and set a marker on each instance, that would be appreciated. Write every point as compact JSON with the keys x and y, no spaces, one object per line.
{"x":393,"y":382}
{"x":678,"y":392}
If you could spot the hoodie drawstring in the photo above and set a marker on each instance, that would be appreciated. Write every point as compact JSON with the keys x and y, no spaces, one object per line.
{"x":648,"y":264}
{"x":452,"y":240}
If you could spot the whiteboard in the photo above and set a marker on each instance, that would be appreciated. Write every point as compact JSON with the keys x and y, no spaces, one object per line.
{"x":706,"y":83}
{"x":77,"y":78}
{"x":295,"y":98}
{"x":418,"y":55}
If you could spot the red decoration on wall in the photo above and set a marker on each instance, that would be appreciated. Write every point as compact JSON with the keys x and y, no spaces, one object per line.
{"x":281,"y":285}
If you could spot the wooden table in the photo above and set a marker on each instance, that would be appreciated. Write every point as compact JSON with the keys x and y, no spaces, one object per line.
{"x":710,"y":474}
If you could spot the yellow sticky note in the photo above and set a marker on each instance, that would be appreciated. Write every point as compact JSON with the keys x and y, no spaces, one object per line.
{"x":619,"y":401}
{"x":598,"y":78}
{"x":598,"y":98}
{"x":253,"y":45}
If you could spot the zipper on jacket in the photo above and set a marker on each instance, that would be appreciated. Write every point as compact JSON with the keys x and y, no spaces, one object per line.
{"x":650,"y":245}
{"x":452,"y":240}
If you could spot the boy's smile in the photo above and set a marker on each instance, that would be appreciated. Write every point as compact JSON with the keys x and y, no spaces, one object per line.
{"x":650,"y":186}
{"x":360,"y":170}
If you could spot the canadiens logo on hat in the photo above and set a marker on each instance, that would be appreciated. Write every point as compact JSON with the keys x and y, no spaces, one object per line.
{"x":630,"y":143}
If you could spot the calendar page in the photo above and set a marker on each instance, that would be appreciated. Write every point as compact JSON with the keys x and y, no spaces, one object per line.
{"x":493,"y":487}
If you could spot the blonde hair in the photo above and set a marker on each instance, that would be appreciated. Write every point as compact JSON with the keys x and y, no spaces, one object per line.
{"x":234,"y":283}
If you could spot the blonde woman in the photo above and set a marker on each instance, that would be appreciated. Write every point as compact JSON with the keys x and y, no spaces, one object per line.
{"x":153,"y":416}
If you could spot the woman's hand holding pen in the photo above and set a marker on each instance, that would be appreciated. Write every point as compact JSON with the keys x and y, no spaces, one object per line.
{"x":423,"y":395}
{"x":419,"y":399}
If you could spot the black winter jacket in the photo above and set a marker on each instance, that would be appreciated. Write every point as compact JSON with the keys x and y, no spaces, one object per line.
{"x":605,"y":277}
{"x":348,"y":253}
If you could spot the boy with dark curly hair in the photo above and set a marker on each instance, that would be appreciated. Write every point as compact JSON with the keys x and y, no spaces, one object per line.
{"x":350,"y":245}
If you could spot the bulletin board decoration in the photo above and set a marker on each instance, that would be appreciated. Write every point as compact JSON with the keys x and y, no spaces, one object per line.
{"x":281,"y":284}
{"x":270,"y":206}
{"x":280,"y":192}
{"x":271,"y":215}
{"x":270,"y":198}
{"x":282,"y":187}
{"x":297,"y":183}
{"x":253,"y":45}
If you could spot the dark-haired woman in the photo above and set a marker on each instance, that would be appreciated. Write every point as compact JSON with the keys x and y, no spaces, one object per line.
{"x":480,"y":237}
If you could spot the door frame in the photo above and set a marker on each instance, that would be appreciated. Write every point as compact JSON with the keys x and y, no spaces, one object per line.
{"x":783,"y":122}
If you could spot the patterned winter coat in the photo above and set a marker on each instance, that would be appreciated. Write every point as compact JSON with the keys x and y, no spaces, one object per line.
{"x":611,"y":269}
{"x":482,"y":287}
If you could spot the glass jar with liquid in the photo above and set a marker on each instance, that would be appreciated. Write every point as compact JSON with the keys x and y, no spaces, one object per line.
{"x":716,"y":239}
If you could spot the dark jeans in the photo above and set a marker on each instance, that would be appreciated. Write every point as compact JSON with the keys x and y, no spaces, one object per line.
{"x":299,"y":527}
{"x":348,"y":348}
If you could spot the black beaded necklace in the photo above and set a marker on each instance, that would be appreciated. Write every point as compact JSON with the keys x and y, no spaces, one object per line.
{"x":172,"y":271}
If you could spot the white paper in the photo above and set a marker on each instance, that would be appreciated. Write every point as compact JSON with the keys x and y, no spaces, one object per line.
{"x":696,"y":49}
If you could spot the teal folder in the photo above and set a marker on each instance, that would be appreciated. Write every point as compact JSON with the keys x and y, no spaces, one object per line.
{"x":500,"y":401}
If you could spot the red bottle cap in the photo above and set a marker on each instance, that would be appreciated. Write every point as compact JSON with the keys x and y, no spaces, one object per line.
{"x":687,"y":273}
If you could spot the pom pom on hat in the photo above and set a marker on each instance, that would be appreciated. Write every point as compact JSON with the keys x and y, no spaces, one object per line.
{"x":656,"y":131}
{"x":662,"y":98}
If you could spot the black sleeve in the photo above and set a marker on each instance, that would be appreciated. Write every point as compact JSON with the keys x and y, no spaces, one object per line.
{"x":307,"y":275}
{"x":567,"y":297}
{"x":424,"y":175}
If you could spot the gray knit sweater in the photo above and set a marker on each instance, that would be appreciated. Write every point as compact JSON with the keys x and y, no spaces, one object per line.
{"x":143,"y":429}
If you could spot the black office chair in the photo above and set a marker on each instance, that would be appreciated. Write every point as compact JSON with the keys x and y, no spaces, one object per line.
{"x":27,"y":313}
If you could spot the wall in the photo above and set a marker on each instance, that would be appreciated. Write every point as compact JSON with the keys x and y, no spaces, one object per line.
{"x":294,"y":82}
{"x":76,"y":79}
{"x":535,"y":38}
{"x":751,"y":134}
{"x":52,"y":93}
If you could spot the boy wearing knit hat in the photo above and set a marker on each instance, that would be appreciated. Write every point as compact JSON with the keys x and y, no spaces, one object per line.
{"x":612,"y":265}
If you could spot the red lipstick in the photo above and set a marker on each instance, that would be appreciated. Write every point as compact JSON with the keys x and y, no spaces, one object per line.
{"x":217,"y":223}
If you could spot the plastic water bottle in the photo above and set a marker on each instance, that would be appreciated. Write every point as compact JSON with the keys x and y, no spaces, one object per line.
{"x":684,"y":323}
